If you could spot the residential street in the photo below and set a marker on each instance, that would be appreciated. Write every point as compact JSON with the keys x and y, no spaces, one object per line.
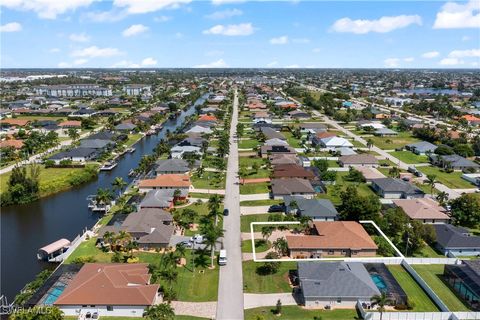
{"x":230,"y":289}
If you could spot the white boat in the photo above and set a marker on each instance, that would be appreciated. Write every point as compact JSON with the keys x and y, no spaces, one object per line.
{"x":108,"y":166}
{"x":131,"y":150}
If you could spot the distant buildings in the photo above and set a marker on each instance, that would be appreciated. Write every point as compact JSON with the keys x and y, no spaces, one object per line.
{"x":73,"y":90}
{"x":136,"y":89}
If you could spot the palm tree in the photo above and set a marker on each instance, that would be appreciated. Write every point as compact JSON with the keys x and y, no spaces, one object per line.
{"x":369,"y":143}
{"x":130,"y":246}
{"x":180,"y":250}
{"x":267,"y":232}
{"x":108,"y":238}
{"x":431,"y":180}
{"x":293,"y":206}
{"x":394,"y":172}
{"x":119,"y":184}
{"x":103,"y":197}
{"x":281,"y":246}
{"x":442,"y":198}
{"x":214,"y":203}
{"x":122,"y":239}
{"x":381,"y":300}
{"x":211,"y":235}
{"x":73,"y":134}
{"x":170,"y":275}
{"x":161,"y":311}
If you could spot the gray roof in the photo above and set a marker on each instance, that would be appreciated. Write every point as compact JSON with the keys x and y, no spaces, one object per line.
{"x":450,"y":237}
{"x":422,"y":146}
{"x":95,"y":143}
{"x":361,"y":158}
{"x":396,"y":185}
{"x":385,"y":131}
{"x":344,"y":151}
{"x":272,"y":134}
{"x":172,"y":165}
{"x":74,"y":153}
{"x":291,"y":185}
{"x":160,"y":198}
{"x":335,"y":280}
{"x":313,"y":207}
{"x":457,"y":161}
{"x":125,"y":126}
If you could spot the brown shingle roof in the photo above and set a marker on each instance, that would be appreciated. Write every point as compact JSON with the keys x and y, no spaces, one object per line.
{"x":292,"y":171}
{"x":362,"y":158}
{"x":110,"y":284}
{"x":334,"y":235}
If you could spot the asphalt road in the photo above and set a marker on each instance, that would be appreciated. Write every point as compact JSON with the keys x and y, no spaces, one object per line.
{"x":230,"y":289}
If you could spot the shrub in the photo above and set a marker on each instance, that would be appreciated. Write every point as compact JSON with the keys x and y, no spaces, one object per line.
{"x":49,"y":163}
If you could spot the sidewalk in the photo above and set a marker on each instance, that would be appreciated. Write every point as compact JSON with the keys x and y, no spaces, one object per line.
{"x":196,"y":309}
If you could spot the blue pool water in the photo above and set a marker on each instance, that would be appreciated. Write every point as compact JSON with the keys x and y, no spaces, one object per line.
{"x":378,"y":280}
{"x":53,"y":294}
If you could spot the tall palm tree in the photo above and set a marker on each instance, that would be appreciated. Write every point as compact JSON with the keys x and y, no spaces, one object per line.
{"x":267,"y":232}
{"x":381,"y":300}
{"x":281,"y":246}
{"x":119,"y":184}
{"x":103,"y":197}
{"x":122,"y":239}
{"x":394,"y":172}
{"x":431,"y":180}
{"x":211,"y":235}
{"x":369,"y":143}
{"x":108,"y":239}
{"x":214,"y":203}
{"x":442,"y":198}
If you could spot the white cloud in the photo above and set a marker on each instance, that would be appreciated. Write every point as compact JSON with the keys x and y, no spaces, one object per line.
{"x":292,"y":66}
{"x":301,"y":40}
{"x":145,"y":6}
{"x":242,"y":29}
{"x":219,"y":2}
{"x":46,"y":9}
{"x":272,"y":64}
{"x":79,"y":37}
{"x":149,"y":62}
{"x":106,"y":16}
{"x":391,"y":62}
{"x":225,"y":14}
{"x":96,"y":52}
{"x":451,"y":62}
{"x":316,"y":50}
{"x":125,"y":64}
{"x":408,"y":59}
{"x":382,"y":25}
{"x":279,"y":40}
{"x":54,"y":50}
{"x":465,"y":53}
{"x":455,"y":15}
{"x":162,"y":19}
{"x":430,"y":54}
{"x":11,"y":27}
{"x":64,"y":65}
{"x":465,"y":38}
{"x":78,"y":62}
{"x":220,"y":63}
{"x":134,"y":29}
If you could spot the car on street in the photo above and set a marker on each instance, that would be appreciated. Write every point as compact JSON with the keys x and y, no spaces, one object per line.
{"x":222,"y":259}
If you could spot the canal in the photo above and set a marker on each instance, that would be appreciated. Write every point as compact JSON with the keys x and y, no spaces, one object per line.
{"x":26,"y":228}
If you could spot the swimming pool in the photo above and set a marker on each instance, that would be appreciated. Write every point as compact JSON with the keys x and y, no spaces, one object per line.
{"x":378,"y":280}
{"x":53,"y":294}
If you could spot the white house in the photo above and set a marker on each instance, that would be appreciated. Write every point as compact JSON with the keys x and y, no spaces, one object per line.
{"x":178,"y":151}
{"x":335,"y":142}
{"x":199,"y":129}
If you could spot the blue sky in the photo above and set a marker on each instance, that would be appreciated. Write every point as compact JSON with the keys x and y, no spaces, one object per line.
{"x":233,"y":33}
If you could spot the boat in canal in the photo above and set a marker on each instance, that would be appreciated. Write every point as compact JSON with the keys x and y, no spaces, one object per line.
{"x":131,"y":150}
{"x":108,"y":166}
{"x":53,"y":250}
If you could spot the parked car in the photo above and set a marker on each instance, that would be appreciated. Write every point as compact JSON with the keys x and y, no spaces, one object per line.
{"x":198,"y":238}
{"x":186,"y":243}
{"x":276,"y":208}
{"x":225,"y":212}
{"x":222,"y":259}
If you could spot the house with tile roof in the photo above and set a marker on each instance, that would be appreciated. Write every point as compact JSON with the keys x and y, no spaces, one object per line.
{"x":425,"y":210}
{"x":111,"y":289}
{"x":362,"y":159}
{"x":166,"y":181}
{"x":332,"y":239}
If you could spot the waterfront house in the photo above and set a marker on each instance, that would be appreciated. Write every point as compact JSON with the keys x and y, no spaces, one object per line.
{"x":165,"y":181}
{"x":125,"y":127}
{"x":163,"y":198}
{"x":199,"y":129}
{"x":391,"y":188}
{"x":456,"y":240}
{"x":332,"y":239}
{"x":96,"y":144}
{"x":335,"y":284}
{"x":109,"y":289}
{"x":81,"y":155}
{"x":176,"y":166}
{"x":177,"y":151}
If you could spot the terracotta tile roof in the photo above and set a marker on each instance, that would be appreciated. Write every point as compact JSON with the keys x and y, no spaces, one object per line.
{"x":70,"y":123}
{"x":17,"y":144}
{"x":334,"y":235}
{"x":323,"y":135}
{"x":470,"y":118}
{"x":206,"y":117}
{"x":167,"y":180}
{"x":424,"y":208}
{"x":15,"y":122}
{"x":110,"y":284}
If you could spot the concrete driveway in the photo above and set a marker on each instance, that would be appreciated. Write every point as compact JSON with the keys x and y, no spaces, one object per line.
{"x":257,"y":196}
{"x":254,"y":210}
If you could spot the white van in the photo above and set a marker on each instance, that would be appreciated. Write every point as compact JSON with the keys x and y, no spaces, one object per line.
{"x":222,"y":260}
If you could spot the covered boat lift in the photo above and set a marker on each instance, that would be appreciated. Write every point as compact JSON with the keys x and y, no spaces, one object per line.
{"x":53,"y":250}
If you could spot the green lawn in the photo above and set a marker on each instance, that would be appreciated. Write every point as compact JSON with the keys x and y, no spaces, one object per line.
{"x":389,"y":143}
{"x":52,"y":180}
{"x":298,"y":313}
{"x":248,"y":144}
{"x":209,"y":180}
{"x":428,"y":252}
{"x":130,"y":318}
{"x":273,"y":283}
{"x":260,"y":245}
{"x":334,"y":191}
{"x":292,"y":141}
{"x":260,"y":173}
{"x":88,"y":249}
{"x":249,"y":161}
{"x":452,"y":180}
{"x":414,"y":292}
{"x":246,"y":220}
{"x":132,"y":139}
{"x":253,"y":188}
{"x":409,"y":157}
{"x":433,"y":276}
{"x":253,"y":203}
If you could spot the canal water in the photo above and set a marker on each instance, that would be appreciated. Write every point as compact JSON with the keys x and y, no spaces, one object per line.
{"x":26,"y":228}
